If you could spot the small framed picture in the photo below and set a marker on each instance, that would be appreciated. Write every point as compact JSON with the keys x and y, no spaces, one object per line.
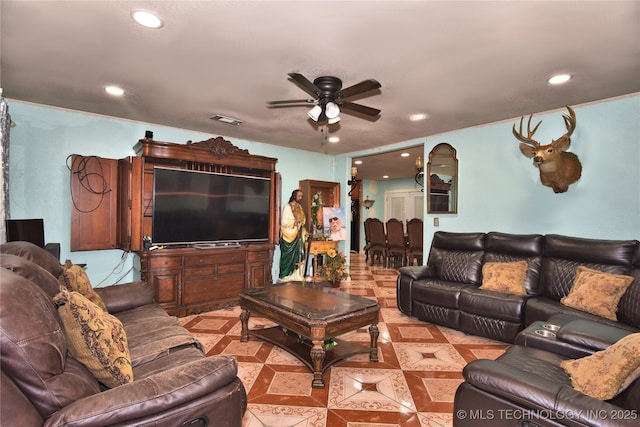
{"x":333,"y":222}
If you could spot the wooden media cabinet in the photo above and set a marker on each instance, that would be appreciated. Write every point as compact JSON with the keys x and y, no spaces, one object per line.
{"x":185,"y":279}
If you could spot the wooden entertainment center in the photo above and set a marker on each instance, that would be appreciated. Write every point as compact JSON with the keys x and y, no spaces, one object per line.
{"x":185,"y":279}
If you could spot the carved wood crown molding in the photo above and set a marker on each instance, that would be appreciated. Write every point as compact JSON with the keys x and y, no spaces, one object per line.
{"x":219,"y":147}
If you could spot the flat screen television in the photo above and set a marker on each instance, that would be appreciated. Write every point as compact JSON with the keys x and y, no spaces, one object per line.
{"x":194,"y":207}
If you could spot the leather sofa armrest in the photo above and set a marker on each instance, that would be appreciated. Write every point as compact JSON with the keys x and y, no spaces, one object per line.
{"x":589,"y":334}
{"x":126,"y":296}
{"x":417,"y":273}
{"x":148,"y":398}
{"x":543,"y":396}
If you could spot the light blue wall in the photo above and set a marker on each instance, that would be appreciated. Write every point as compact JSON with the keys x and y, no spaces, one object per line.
{"x":500,"y":189}
{"x":39,"y":177}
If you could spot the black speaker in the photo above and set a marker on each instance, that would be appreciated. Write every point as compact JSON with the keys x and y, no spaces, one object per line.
{"x":29,"y":230}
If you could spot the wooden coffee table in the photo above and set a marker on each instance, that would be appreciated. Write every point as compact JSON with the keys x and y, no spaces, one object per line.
{"x":310,"y":312}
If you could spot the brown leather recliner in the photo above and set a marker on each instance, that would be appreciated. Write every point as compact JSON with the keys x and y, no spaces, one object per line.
{"x":527,"y":386}
{"x":42,"y":384}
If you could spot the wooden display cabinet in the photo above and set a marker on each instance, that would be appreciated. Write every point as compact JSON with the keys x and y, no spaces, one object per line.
{"x":330,"y":192}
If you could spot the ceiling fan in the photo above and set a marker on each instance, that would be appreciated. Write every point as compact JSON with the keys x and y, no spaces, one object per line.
{"x":330,"y":98}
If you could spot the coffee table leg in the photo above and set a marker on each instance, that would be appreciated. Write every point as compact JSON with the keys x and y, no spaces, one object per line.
{"x":317,"y":356}
{"x":373,"y":349}
{"x":244,"y":320}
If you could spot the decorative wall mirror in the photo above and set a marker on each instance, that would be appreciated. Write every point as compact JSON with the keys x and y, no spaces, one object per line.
{"x":442,"y":180}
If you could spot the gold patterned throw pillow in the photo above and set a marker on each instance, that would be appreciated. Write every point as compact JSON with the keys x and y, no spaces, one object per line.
{"x":505,"y":277}
{"x":74,"y":278}
{"x":606,"y":373}
{"x":95,"y":338}
{"x":597,"y":292}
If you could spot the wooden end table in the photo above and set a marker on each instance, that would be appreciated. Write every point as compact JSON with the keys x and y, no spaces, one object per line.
{"x":306,"y":312}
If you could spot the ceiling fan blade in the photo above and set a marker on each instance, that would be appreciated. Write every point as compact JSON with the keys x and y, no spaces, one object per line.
{"x":293,"y":101}
{"x":357,"y":108}
{"x":358,"y":88}
{"x":305,"y":83}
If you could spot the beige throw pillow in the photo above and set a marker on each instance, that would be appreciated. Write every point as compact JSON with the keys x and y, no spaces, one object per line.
{"x":74,"y":278}
{"x":597,"y":292}
{"x":606,"y":373}
{"x":95,"y":338}
{"x":505,"y":277}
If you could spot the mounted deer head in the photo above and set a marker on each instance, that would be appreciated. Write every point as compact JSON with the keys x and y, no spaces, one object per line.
{"x":558,"y":168}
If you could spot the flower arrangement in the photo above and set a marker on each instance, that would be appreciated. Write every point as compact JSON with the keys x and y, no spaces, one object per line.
{"x":334,"y":267}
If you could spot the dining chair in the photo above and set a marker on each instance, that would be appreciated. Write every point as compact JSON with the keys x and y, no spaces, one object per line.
{"x":416,"y":238}
{"x":396,"y":250}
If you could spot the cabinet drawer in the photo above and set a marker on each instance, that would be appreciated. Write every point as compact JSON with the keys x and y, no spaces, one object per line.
{"x":254,"y":255}
{"x":201,"y":290}
{"x":212,"y":270}
{"x":230,"y":268}
{"x":165,"y":262}
{"x":214,"y":259}
{"x":199,"y":271}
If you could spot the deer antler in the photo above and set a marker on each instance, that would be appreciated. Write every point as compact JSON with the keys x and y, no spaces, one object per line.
{"x":529,"y":138}
{"x":569,"y":121}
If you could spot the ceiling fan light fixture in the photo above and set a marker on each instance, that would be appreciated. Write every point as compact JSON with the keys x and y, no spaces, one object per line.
{"x":331,"y":110}
{"x":315,"y":112}
{"x":334,"y":120}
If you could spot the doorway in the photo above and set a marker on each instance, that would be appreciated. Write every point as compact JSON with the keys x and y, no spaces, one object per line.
{"x":404,"y":205}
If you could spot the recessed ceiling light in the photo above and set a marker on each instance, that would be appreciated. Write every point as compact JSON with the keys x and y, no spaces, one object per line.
{"x":333,"y":139}
{"x":114,"y":90}
{"x":226,"y":119}
{"x":147,"y":19}
{"x":558,"y":79}
{"x":405,"y":155}
{"x":418,"y":117}
{"x":358,"y":162}
{"x":385,"y":176}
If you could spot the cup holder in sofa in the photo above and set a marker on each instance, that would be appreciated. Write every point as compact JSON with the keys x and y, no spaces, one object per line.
{"x":545,"y":333}
{"x":551,"y":327}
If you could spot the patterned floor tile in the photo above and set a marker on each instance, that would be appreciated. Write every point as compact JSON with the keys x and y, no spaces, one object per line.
{"x":412,"y":385}
{"x":429,"y":357}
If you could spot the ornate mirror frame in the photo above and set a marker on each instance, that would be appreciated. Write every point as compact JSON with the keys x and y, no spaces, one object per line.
{"x":442,"y":180}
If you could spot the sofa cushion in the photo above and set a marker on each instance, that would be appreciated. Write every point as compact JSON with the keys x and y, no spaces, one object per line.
{"x":31,"y":271}
{"x":74,"y":278}
{"x":492,"y":305}
{"x":35,"y":254}
{"x":606,"y":373}
{"x":96,"y":338}
{"x":438,"y":292}
{"x":562,"y":256}
{"x":597,"y":292}
{"x":503,"y":247}
{"x":34,"y":349}
{"x":505,"y":277}
{"x":629,"y":306}
{"x":151,"y":332}
{"x":457,"y":257}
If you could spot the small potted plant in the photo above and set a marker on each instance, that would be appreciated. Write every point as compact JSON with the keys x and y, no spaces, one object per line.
{"x":334,"y":267}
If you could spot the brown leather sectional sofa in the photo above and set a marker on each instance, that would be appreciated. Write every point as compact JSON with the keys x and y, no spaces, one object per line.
{"x":526,"y":386}
{"x":42,"y":384}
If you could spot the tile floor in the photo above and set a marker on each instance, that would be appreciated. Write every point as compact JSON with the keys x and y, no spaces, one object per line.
{"x":412,"y":385}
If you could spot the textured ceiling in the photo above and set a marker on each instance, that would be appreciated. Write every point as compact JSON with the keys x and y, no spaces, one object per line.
{"x":462,"y":63}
